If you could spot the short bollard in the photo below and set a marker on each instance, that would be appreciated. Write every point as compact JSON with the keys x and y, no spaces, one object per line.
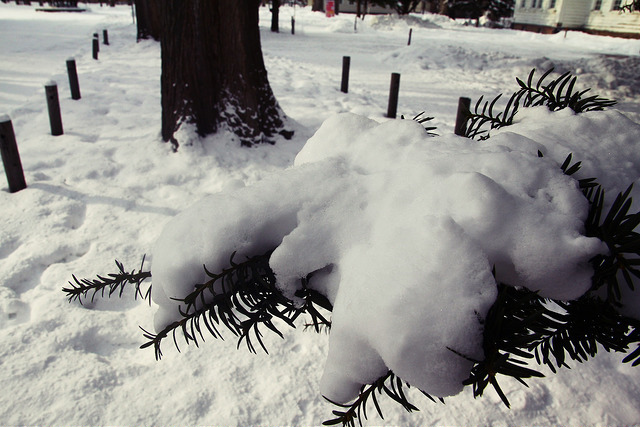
{"x":346,"y":63}
{"x":10,"y":156}
{"x":73,"y":78}
{"x":464,"y":109}
{"x":105,"y":37}
{"x":293,"y":25}
{"x":96,"y":46}
{"x":393,"y":96}
{"x":53,"y":104}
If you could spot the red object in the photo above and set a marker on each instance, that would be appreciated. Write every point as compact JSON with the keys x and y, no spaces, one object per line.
{"x":331,"y":8}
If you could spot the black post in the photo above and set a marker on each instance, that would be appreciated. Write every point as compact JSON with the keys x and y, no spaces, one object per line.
{"x":410,"y":31}
{"x":53,"y":104}
{"x":293,"y":25}
{"x":393,"y":95}
{"x":10,"y":156}
{"x":464,"y":109}
{"x":105,"y":37}
{"x":96,"y":46}
{"x":346,"y":63}
{"x":73,"y":78}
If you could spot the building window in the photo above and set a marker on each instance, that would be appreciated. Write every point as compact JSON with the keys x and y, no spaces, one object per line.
{"x":597,"y":5}
{"x":552,"y":4}
{"x":616,"y":4}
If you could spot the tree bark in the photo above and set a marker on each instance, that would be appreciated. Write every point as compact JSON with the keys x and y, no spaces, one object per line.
{"x":275,"y":16}
{"x":213,"y":73}
{"x":149,"y":19}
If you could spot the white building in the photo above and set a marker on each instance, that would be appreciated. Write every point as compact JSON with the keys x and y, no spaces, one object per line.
{"x":593,"y":16}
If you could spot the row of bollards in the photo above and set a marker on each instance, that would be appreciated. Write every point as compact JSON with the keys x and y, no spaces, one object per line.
{"x":464,"y":109}
{"x":10,"y":156}
{"x":53,"y":105}
{"x":74,"y":85}
{"x":8,"y":145}
{"x":464,"y":104}
{"x":394,"y":89}
{"x":96,"y":42}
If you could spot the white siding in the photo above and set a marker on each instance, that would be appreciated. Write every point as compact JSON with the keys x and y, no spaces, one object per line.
{"x":574,"y":13}
{"x":537,"y":16}
{"x":606,"y":19}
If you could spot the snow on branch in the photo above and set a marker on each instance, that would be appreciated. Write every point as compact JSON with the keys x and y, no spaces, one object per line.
{"x":444,"y":263}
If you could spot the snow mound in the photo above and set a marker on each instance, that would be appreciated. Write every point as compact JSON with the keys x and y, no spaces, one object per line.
{"x":447,"y":56}
{"x":608,"y":73}
{"x":403,"y":230}
{"x":391,"y":22}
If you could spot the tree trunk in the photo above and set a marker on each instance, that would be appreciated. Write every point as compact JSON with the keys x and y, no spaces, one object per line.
{"x":318,"y":6}
{"x":149,"y":19}
{"x":275,"y":16}
{"x":213,"y":73}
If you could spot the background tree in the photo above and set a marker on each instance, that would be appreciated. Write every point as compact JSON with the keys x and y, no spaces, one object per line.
{"x":631,"y":6}
{"x":500,"y":9}
{"x":469,"y":9}
{"x":318,"y":6}
{"x":213,"y":72}
{"x":275,"y":16}
{"x":149,"y":19}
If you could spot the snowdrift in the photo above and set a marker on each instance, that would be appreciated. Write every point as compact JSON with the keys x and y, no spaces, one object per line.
{"x":403,"y":231}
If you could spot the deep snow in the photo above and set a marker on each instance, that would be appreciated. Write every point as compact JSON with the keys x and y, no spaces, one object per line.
{"x":107,"y":188}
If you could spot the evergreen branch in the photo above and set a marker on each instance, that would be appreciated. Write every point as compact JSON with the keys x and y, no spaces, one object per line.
{"x":506,"y":329}
{"x":556,"y":95}
{"x":617,"y":230}
{"x":581,"y":326}
{"x":111,"y":284}
{"x":312,"y":299}
{"x":389,"y":384}
{"x":520,"y":325}
{"x":559,"y":94}
{"x":484,"y":113}
{"x":243,"y":298}
{"x":420,"y":118}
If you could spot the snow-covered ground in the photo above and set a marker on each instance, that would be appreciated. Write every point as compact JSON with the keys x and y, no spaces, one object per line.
{"x":107,"y":187}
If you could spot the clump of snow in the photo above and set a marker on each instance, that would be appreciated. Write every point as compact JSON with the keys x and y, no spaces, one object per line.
{"x":4,"y":118}
{"x":605,"y":142}
{"x":406,"y":229}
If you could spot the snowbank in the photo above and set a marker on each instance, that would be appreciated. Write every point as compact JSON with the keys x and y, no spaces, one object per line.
{"x":406,"y":229}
